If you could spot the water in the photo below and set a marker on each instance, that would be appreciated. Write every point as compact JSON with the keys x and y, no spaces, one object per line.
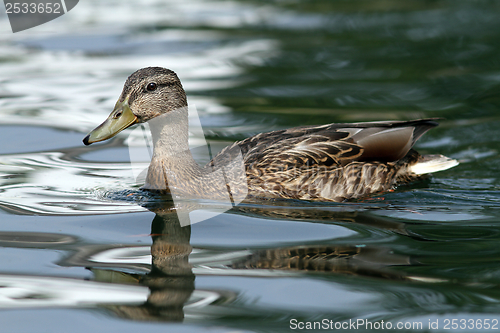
{"x":82,"y":248}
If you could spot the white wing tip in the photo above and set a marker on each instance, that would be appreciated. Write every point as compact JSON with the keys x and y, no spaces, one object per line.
{"x":433,"y":163}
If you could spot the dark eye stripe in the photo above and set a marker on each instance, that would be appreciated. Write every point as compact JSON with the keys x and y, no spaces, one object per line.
{"x":158,"y":85}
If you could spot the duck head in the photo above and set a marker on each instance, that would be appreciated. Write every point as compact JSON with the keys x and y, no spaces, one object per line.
{"x":147,"y":93}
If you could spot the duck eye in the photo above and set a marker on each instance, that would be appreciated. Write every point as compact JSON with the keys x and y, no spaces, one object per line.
{"x":151,"y":86}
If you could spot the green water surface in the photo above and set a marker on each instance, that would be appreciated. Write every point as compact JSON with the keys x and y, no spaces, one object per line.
{"x":83,"y":249}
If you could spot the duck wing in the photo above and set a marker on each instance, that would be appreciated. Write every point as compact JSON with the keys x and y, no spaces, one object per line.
{"x":333,"y":145}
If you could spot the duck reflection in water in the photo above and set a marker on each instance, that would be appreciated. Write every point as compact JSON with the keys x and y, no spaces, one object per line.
{"x":171,"y":279}
{"x":171,"y":275}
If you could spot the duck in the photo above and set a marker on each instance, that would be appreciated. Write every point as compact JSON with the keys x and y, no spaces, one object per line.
{"x":333,"y":162}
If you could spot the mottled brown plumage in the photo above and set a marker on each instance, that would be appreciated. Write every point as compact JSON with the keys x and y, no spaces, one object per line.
{"x":334,"y":162}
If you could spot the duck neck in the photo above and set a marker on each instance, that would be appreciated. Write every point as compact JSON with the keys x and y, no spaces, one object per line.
{"x":173,"y":168}
{"x":170,"y":134}
{"x":172,"y":158}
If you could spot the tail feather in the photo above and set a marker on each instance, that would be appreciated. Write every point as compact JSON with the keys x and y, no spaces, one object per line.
{"x":432,"y":163}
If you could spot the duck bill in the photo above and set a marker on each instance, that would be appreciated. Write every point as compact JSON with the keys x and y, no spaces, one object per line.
{"x":121,"y":118}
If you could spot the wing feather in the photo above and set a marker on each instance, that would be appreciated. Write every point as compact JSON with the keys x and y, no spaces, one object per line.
{"x":329,"y":160}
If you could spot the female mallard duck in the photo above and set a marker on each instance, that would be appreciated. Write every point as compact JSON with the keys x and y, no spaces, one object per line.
{"x":334,"y":162}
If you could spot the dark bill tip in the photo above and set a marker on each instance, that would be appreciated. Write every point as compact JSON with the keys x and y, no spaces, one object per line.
{"x":86,"y":140}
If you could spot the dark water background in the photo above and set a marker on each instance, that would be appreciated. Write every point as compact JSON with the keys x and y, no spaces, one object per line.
{"x":79,"y":252}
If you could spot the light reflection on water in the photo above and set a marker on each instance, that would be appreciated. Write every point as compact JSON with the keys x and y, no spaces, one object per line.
{"x":171,"y":264}
{"x":76,"y":231}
